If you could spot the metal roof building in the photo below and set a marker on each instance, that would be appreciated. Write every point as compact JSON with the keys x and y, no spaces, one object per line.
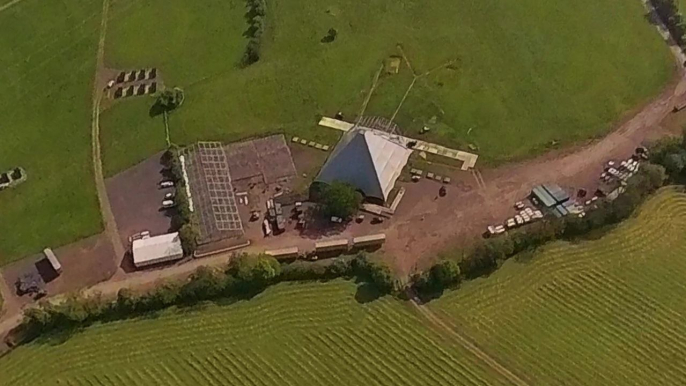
{"x":369,"y":160}
{"x":556,"y":192}
{"x":157,"y":249}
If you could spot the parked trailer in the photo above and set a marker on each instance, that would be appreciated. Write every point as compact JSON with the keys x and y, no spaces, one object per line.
{"x":284,"y":253}
{"x":369,"y":240}
{"x":331,"y":245}
{"x":50,"y":255}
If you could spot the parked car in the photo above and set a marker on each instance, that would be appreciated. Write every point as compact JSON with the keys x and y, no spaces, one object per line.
{"x":167,"y":184}
{"x":169,"y":196}
{"x":168,"y":204}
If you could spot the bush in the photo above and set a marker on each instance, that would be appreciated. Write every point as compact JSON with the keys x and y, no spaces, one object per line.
{"x":204,"y":284}
{"x":376,"y":272}
{"x":671,"y":154}
{"x":668,"y":12}
{"x":254,"y":272}
{"x":244,"y":276}
{"x":188,"y":234}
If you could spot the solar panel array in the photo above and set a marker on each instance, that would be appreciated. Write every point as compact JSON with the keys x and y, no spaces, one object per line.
{"x":213,"y":195}
{"x":218,"y":180}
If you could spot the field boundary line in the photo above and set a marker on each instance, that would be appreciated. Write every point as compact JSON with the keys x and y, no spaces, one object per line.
{"x":467,"y":344}
{"x":103,"y":199}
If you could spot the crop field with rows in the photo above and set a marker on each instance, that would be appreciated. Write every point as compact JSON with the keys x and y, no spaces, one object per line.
{"x":605,"y":312}
{"x":299,"y":334}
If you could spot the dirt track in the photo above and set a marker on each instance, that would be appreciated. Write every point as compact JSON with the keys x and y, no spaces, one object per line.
{"x":425,"y":227}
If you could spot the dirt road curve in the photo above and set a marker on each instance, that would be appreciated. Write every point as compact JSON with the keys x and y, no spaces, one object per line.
{"x":429,"y":226}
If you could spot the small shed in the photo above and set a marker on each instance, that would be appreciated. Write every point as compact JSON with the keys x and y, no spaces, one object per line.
{"x":157,"y":249}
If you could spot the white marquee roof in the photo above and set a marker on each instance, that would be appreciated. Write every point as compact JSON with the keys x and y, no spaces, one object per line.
{"x":368,"y":159}
{"x":157,"y":248}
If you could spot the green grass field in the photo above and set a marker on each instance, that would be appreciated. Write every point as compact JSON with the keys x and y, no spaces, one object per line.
{"x":526,"y":72}
{"x":47,"y":62}
{"x":606,"y":312}
{"x":298,"y":334}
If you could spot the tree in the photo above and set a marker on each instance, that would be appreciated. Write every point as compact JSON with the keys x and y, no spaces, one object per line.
{"x":675,"y":163}
{"x":340,"y":199}
{"x":126,"y":301}
{"x":374,"y":271}
{"x":445,"y":274}
{"x":338,"y":268}
{"x":254,"y":271}
{"x":205,"y":283}
{"x":189,"y":238}
{"x":169,"y":100}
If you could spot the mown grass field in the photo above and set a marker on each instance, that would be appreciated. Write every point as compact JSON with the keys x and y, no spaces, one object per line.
{"x":605,"y":312}
{"x":47,"y":62}
{"x":525,"y":72}
{"x":297,"y":334}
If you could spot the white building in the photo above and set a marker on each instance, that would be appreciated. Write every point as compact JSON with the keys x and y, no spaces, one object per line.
{"x":157,"y":249}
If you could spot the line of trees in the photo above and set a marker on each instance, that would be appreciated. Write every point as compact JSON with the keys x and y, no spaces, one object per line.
{"x":671,"y":153}
{"x":244,"y":277}
{"x":488,"y":255}
{"x":257,"y":10}
{"x":183,"y":220}
{"x":668,"y":12}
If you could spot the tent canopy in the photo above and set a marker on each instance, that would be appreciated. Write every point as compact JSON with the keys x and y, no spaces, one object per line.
{"x":367,"y":159}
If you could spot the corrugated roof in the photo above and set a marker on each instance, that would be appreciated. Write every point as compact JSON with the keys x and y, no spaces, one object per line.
{"x":369,"y":160}
{"x":157,"y":248}
{"x":556,"y":192}
{"x":546,"y":199}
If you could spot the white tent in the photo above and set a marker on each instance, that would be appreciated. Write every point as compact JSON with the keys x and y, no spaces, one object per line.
{"x":369,"y":160}
{"x":157,"y":249}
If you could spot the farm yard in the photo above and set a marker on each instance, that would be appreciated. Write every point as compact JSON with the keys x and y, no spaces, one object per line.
{"x":600,"y":312}
{"x":45,"y":87}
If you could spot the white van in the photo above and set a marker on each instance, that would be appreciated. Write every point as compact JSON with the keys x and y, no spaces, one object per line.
{"x":168,"y":204}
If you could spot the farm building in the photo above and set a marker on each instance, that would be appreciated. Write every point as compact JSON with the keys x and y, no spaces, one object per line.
{"x":369,"y":160}
{"x":157,"y":249}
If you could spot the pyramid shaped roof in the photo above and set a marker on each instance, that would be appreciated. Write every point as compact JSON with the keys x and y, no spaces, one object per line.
{"x":367,"y":159}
